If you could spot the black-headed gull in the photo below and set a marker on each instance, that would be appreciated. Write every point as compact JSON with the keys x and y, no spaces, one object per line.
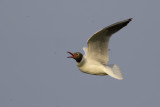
{"x":96,"y":53}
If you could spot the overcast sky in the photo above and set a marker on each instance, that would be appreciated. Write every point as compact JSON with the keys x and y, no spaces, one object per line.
{"x":34,"y":38}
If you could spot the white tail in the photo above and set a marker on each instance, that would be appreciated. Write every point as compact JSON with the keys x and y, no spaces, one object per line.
{"x":114,"y":72}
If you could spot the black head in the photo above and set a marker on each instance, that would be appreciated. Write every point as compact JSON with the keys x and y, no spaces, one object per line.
{"x":77,"y":56}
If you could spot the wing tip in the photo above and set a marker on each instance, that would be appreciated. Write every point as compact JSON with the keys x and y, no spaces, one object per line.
{"x":130,"y":19}
{"x":125,"y":22}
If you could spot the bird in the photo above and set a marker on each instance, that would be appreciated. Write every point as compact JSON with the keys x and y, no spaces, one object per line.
{"x":95,"y":60}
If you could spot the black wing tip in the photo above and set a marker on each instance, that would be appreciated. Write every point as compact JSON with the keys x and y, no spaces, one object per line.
{"x":130,"y":19}
{"x":127,"y":21}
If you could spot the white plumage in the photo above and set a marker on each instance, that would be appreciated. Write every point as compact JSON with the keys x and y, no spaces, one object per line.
{"x":95,"y":60}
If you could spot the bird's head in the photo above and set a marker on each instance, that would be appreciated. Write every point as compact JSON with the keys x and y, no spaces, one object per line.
{"x":77,"y":56}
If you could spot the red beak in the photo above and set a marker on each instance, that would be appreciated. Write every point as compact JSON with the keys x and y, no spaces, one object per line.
{"x":70,"y":56}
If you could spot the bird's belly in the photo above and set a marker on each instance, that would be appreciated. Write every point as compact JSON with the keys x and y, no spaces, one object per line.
{"x":93,"y":69}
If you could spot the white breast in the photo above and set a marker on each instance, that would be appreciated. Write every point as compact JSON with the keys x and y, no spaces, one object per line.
{"x":91,"y":67}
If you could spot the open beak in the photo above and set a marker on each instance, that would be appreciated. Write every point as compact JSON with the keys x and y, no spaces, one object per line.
{"x":70,"y":54}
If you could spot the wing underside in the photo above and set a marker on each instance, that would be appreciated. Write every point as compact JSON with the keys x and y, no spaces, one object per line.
{"x":97,"y":45}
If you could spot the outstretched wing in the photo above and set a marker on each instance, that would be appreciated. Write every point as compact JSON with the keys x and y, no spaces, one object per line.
{"x":97,"y":48}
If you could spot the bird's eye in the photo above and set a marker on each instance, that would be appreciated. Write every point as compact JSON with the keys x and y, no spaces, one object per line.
{"x":77,"y":54}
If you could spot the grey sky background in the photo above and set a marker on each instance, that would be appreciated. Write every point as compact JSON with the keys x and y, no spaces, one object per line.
{"x":34,"y":38}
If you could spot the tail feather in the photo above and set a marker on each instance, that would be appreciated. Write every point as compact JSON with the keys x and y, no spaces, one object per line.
{"x":114,"y":72}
